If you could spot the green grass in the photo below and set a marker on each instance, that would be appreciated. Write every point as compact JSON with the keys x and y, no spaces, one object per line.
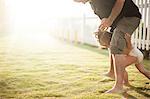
{"x":63,"y":71}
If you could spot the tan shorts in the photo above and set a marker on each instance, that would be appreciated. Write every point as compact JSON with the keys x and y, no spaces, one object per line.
{"x":125,"y":25}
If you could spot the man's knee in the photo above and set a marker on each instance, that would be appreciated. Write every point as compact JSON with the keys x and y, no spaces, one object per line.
{"x":117,"y":49}
{"x":119,"y":60}
{"x":119,"y":56}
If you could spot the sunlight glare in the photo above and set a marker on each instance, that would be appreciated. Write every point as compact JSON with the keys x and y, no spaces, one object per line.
{"x":31,"y":21}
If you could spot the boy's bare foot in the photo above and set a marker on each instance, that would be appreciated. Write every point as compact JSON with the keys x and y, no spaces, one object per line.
{"x":116,"y":90}
{"x":110,"y":75}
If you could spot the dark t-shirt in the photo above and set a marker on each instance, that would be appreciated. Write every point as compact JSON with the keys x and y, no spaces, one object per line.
{"x":103,"y":9}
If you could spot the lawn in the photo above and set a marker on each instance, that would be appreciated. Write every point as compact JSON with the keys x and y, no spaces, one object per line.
{"x":61,"y":71}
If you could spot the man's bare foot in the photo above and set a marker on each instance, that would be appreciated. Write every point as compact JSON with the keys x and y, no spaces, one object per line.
{"x":110,"y":75}
{"x":116,"y":90}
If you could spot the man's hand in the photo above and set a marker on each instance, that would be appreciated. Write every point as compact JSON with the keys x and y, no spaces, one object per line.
{"x":105,"y":24}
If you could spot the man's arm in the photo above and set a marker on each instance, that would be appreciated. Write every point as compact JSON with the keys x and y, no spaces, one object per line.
{"x":116,"y":10}
{"x":107,"y":22}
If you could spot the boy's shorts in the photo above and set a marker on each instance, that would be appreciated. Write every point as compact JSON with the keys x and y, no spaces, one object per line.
{"x":125,"y":25}
{"x":138,"y":54}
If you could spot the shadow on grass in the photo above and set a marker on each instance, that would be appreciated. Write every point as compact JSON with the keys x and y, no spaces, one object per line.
{"x":106,"y":80}
{"x":5,"y":90}
{"x":3,"y":86}
{"x":123,"y":95}
{"x":128,"y":96}
{"x":140,"y":90}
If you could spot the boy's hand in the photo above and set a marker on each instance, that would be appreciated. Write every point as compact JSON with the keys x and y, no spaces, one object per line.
{"x":128,"y":40}
{"x":127,"y":37}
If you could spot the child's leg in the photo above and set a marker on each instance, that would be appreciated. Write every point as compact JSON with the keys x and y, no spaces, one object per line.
{"x":126,"y":80}
{"x":129,"y":60}
{"x":110,"y":72}
{"x":141,"y":68}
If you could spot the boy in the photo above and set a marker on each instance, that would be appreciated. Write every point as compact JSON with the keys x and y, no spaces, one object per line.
{"x":134,"y":55}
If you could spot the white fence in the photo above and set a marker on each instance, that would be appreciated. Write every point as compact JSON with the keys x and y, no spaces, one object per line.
{"x":141,"y":37}
{"x":81,"y":29}
{"x":78,"y":29}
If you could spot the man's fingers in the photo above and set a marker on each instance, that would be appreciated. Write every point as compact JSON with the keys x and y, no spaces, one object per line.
{"x":102,"y":28}
{"x":105,"y":29}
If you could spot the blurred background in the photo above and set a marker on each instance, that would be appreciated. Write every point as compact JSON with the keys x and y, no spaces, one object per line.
{"x":40,"y":20}
{"x":47,"y":18}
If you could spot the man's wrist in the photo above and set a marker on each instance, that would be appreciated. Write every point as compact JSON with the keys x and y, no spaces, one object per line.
{"x":110,"y":19}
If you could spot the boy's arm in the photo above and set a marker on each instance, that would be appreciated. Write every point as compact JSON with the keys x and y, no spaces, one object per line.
{"x":129,"y":44}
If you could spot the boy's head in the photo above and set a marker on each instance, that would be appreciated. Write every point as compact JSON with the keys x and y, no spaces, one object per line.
{"x":105,"y":38}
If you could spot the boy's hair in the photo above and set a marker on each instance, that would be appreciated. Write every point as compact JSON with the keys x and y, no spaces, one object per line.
{"x":105,"y":38}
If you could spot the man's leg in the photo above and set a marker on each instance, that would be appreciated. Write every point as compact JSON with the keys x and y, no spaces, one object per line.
{"x":128,"y":61}
{"x":120,"y":63}
{"x":117,"y":45}
{"x":119,"y":69}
